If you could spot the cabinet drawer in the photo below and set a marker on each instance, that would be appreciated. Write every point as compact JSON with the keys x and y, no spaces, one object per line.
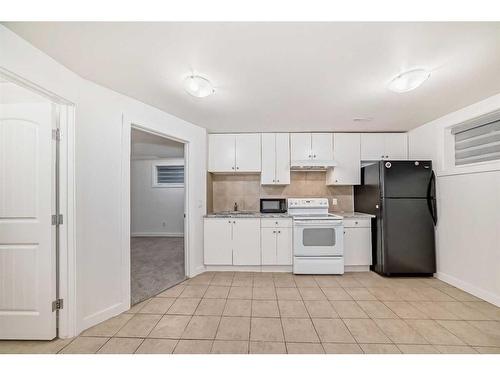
{"x":275,"y":223}
{"x":357,"y":223}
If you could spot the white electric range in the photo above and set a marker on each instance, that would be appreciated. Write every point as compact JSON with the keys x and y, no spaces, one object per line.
{"x":318,"y":246}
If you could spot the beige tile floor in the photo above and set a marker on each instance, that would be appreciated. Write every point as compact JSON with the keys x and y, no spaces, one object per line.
{"x":244,"y":312}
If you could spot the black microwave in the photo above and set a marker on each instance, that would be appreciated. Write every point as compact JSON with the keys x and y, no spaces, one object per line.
{"x":272,"y":205}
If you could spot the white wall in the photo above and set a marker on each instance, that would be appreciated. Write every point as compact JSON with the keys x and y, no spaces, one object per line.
{"x":468,"y":230}
{"x":155,"y":211}
{"x":101,"y":253}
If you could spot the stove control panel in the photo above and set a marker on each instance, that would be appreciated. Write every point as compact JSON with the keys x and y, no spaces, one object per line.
{"x":308,"y":203}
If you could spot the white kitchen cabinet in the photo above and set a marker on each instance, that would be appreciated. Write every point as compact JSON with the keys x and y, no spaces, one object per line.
{"x":268,"y":246}
{"x":247,"y":152}
{"x":357,"y":242}
{"x":276,"y":242}
{"x":231,"y":241}
{"x":275,"y":159}
{"x":346,"y":152}
{"x":218,"y":246}
{"x":310,"y":146}
{"x":300,"y":146}
{"x":396,"y":146}
{"x":322,"y":146}
{"x":284,"y":247}
{"x":384,"y":146}
{"x":221,"y":153}
{"x":234,"y":153}
{"x":246,"y":242}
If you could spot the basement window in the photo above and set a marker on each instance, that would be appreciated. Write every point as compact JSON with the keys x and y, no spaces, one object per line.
{"x":477,"y":140}
{"x":168,"y":174}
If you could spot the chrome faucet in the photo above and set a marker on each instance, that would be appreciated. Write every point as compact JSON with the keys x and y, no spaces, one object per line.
{"x":235,"y":208}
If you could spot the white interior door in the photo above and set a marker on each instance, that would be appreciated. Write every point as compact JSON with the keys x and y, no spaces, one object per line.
{"x":27,"y":246}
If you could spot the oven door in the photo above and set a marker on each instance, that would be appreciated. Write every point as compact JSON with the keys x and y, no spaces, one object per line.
{"x":312,"y":238}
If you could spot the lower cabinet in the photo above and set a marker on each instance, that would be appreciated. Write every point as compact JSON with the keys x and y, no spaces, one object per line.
{"x":246,"y":242}
{"x":357,"y":242}
{"x":276,"y":246}
{"x":232,"y":241}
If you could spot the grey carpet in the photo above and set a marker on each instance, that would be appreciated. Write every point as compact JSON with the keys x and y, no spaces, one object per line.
{"x":157,"y":263}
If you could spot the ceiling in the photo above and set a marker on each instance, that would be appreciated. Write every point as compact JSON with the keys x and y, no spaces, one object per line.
{"x":149,"y":146}
{"x":283,"y":76}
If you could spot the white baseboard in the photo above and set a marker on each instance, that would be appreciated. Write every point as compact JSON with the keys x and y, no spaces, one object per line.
{"x":101,"y":316}
{"x":469,"y":288}
{"x":156,"y":234}
{"x":356,"y":268}
{"x":249,"y":268}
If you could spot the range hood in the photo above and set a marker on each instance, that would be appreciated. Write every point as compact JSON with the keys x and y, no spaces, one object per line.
{"x":312,"y":165}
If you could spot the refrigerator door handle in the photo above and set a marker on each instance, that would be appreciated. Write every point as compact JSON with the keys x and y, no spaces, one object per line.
{"x":431,"y":198}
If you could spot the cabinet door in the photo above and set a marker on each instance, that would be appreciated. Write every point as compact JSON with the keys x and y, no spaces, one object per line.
{"x":300,"y":146}
{"x":248,"y":153}
{"x":322,"y":146}
{"x":396,"y":146}
{"x":284,"y":246}
{"x":372,"y":146}
{"x":268,"y":174}
{"x":218,"y":248}
{"x":346,"y":152}
{"x":282,"y":158}
{"x":221,"y":153}
{"x":357,"y":247}
{"x":246,"y":242}
{"x":268,"y":245}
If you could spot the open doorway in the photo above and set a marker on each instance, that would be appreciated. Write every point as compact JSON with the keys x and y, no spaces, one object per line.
{"x":157,"y":196}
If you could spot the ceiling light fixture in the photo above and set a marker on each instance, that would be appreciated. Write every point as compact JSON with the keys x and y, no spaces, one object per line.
{"x":409,"y":80}
{"x":198,"y":86}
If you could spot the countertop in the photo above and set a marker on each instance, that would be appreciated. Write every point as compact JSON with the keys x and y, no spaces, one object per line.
{"x":243,"y":215}
{"x":354,"y":215}
{"x":258,"y":215}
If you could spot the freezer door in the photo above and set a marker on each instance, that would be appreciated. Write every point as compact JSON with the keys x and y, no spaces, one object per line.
{"x":405,"y":179}
{"x":408,"y":237}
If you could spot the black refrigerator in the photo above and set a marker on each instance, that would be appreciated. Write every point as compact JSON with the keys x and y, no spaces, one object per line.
{"x":402,"y":196}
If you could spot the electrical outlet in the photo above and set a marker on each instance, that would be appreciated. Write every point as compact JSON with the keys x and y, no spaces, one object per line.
{"x":334,"y":201}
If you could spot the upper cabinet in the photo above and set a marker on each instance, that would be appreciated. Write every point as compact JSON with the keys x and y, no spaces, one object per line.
{"x":382,"y":146}
{"x":234,"y":153}
{"x":276,"y":159}
{"x":305,"y":146}
{"x":346,"y":152}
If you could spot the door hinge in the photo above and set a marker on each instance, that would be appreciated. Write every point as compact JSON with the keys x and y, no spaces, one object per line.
{"x":56,"y":134}
{"x":57,"y":219}
{"x":58,"y":304}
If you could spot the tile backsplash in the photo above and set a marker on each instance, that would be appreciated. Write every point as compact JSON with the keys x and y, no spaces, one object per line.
{"x":246,"y":190}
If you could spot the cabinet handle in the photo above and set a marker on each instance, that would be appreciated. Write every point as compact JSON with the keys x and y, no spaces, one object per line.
{"x":232,"y":167}
{"x":234,"y":222}
{"x":314,"y":156}
{"x":279,"y":231}
{"x":237,"y":167}
{"x":277,"y":180}
{"x":310,"y":156}
{"x":276,"y":223}
{"x":274,"y":231}
{"x":229,"y":221}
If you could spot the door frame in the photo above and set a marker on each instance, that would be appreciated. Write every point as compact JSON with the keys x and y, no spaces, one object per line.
{"x":64,"y":117}
{"x":127,"y":125}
